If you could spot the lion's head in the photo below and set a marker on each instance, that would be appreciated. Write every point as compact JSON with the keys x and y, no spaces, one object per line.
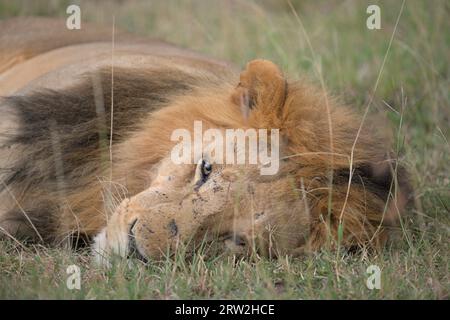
{"x":332,"y":175}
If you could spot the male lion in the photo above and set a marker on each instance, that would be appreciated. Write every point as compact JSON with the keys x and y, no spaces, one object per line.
{"x":85,"y":138}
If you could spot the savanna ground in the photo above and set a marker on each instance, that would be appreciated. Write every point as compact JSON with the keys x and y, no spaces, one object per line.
{"x":328,"y":42}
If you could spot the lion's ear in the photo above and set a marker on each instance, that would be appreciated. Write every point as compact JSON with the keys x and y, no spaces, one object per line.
{"x":262,"y":86}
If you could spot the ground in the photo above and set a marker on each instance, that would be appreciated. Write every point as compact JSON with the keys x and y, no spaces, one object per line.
{"x":328,"y":42}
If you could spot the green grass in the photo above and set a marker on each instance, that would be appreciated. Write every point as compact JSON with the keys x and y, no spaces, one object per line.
{"x":412,"y":95}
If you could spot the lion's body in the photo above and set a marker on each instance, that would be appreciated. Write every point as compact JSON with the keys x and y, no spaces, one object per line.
{"x":55,"y":133}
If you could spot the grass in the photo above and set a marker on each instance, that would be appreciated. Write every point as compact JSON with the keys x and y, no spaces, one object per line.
{"x":346,"y":58}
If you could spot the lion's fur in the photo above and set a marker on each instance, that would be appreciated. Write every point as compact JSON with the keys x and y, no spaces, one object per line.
{"x":60,"y":177}
{"x":76,"y":131}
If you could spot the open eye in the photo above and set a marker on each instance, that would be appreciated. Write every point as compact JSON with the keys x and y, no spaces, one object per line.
{"x":202,"y":172}
{"x":206,"y":168}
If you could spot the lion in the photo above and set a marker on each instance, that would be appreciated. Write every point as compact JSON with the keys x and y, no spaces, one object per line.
{"x":85,"y":138}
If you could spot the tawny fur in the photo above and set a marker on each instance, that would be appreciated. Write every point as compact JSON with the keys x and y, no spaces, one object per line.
{"x":65,"y":184}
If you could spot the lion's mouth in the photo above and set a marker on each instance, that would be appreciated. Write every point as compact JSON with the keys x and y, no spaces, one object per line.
{"x":125,"y":245}
{"x":133,"y":250}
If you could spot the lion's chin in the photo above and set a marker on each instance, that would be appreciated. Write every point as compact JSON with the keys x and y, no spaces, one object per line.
{"x":104,"y":249}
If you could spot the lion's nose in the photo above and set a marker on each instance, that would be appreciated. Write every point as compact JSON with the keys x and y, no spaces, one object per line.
{"x":133,"y":250}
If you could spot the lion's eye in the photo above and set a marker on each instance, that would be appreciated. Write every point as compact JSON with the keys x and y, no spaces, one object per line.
{"x":206,"y":168}
{"x":202,"y":172}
